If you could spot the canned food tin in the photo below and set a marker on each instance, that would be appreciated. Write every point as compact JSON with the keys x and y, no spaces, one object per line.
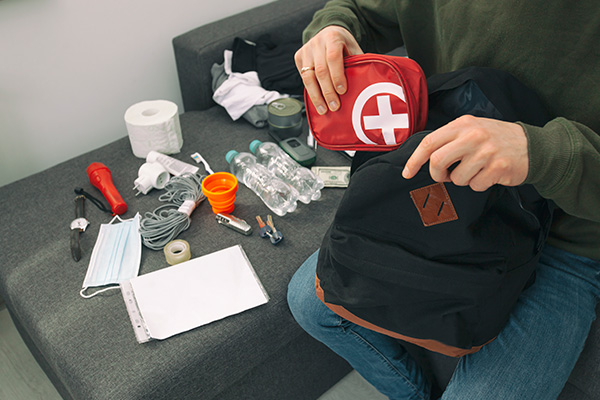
{"x":285,"y":117}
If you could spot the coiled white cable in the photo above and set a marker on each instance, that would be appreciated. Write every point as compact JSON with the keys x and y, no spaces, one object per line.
{"x":164,"y":224}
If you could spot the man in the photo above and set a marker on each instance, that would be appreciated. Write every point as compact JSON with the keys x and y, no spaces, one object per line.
{"x":552,"y":48}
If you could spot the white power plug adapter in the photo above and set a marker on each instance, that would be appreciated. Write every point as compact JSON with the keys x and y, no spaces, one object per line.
{"x":151,"y":175}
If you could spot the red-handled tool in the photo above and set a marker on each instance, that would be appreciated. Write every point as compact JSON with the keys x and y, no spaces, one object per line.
{"x":101,"y":178}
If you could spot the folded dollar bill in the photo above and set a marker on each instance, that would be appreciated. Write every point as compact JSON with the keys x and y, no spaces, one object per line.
{"x":333,"y":176}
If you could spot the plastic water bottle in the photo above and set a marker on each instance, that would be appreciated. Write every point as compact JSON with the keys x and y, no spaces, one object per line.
{"x":280,"y":197}
{"x":279,"y":163}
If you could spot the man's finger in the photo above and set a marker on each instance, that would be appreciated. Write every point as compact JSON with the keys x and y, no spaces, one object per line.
{"x":458,"y":161}
{"x":305,"y":65}
{"x":425,"y":149}
{"x":314,"y":91}
{"x":335,"y":60}
{"x":323,"y":75}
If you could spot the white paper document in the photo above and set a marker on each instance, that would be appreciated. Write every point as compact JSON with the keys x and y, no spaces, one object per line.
{"x":191,"y":294}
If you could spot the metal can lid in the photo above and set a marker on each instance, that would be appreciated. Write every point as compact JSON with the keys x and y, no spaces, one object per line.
{"x":285,"y":112}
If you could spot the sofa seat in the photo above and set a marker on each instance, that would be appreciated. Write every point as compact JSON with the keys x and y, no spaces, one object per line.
{"x":88,"y":347}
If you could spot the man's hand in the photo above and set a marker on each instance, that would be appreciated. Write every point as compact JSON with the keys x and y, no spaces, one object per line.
{"x":321,"y":64}
{"x":489,"y":151}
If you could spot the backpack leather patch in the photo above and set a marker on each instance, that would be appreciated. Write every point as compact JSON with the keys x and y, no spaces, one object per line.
{"x":433,"y":204}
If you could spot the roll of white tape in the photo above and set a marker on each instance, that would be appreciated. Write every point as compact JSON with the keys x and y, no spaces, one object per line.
{"x":154,"y":125}
{"x":177,"y":251}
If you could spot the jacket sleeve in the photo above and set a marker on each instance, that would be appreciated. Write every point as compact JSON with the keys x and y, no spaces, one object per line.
{"x":564,"y":166}
{"x":374,"y":24}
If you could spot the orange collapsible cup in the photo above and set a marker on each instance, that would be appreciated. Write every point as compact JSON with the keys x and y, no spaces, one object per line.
{"x":220,"y":188}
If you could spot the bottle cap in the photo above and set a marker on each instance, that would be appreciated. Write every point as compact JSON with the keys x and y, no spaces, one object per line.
{"x":254,"y":145}
{"x":230,"y":154}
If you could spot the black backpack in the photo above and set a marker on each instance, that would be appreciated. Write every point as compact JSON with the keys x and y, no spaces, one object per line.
{"x":431,"y":263}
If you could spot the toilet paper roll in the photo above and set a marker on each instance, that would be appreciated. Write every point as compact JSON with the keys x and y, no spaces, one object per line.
{"x":154,"y":125}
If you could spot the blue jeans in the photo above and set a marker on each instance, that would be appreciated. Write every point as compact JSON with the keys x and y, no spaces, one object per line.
{"x":530,"y":359}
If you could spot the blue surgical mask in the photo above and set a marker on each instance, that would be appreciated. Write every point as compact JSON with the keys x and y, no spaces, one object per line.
{"x":116,"y":255}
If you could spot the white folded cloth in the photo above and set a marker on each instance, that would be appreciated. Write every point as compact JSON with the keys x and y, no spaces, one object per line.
{"x":242,"y":91}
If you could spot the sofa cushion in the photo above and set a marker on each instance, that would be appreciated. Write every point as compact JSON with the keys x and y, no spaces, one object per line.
{"x":89,"y":344}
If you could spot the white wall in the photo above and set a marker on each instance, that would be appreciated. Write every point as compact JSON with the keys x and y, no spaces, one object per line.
{"x":70,"y":68}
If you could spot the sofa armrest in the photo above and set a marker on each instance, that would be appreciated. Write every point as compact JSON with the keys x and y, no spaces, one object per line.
{"x":197,"y":50}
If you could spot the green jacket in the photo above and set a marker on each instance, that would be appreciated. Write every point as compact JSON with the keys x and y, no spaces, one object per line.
{"x":551,"y":46}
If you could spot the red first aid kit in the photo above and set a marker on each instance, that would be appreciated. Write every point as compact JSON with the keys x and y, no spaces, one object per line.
{"x":385,"y":103}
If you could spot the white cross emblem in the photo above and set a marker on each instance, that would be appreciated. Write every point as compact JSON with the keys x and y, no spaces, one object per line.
{"x":387,"y":121}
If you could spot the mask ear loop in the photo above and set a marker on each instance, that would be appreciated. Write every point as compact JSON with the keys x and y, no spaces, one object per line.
{"x":115,"y":217}
{"x":89,"y":296}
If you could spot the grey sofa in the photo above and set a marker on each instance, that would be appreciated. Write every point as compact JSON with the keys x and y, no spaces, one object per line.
{"x":88,"y":348}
